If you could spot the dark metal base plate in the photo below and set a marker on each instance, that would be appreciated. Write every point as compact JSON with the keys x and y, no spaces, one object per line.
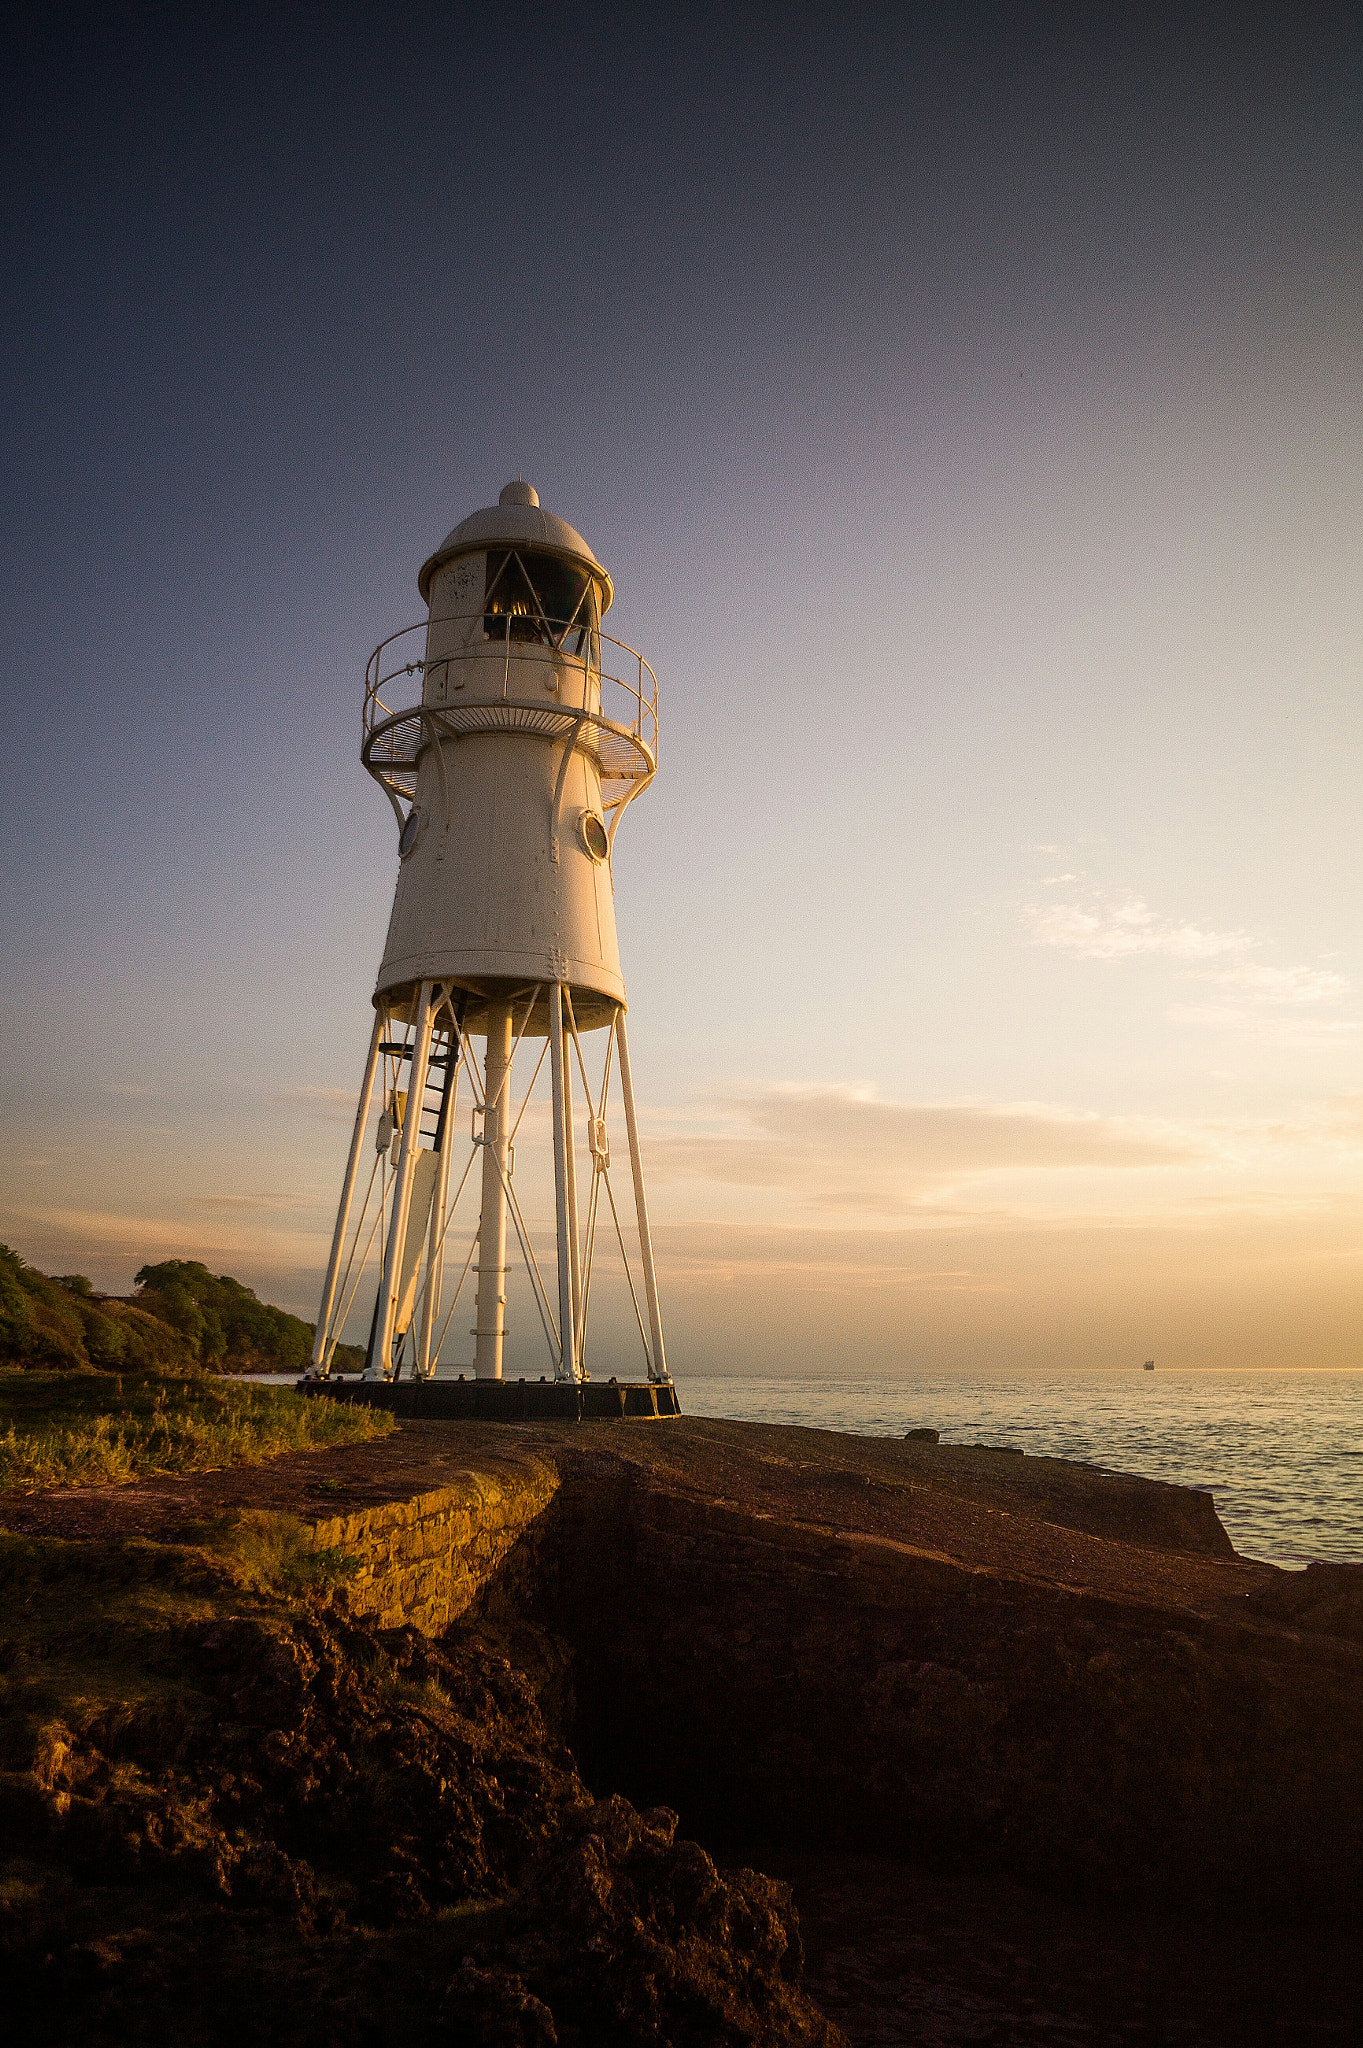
{"x":506,"y":1400}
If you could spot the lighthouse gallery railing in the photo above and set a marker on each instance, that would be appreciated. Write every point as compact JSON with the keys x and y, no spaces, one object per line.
{"x":620,"y":729}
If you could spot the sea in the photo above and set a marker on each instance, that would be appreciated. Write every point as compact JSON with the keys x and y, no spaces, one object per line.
{"x":1281,"y":1452}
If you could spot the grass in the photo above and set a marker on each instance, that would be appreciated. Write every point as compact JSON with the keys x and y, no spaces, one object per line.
{"x":91,"y":1627}
{"x":271,"y":1554}
{"x":108,"y":1429}
{"x":90,"y":1633}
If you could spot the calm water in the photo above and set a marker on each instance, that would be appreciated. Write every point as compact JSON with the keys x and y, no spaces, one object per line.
{"x":1282,"y":1452}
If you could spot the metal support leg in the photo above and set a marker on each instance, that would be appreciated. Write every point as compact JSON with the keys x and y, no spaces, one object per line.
{"x":574,"y":1238}
{"x":558,"y":1050}
{"x":435,"y":1244}
{"x":659,"y":1369}
{"x":381,"y":1356}
{"x":491,"y":1318}
{"x":322,"y":1347}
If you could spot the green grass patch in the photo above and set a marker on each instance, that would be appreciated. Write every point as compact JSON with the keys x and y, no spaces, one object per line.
{"x":272,"y":1554}
{"x":108,"y":1429}
{"x":89,"y":1628}
{"x":86,"y":1630}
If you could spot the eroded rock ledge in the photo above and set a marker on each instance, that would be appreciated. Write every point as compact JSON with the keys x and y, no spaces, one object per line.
{"x":788,"y":1636}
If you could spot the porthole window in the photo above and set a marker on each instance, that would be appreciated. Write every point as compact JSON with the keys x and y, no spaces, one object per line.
{"x":410,"y":833}
{"x":592,"y":833}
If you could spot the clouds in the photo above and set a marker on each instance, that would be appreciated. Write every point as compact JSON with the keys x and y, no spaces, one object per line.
{"x":333,"y":1105}
{"x":1108,"y":930}
{"x":1022,"y":1236}
{"x":53,"y":1235}
{"x":1271,"y":1002}
{"x":828,"y":1228}
{"x":833,"y":1148}
{"x":1235,"y":1286}
{"x":1291,"y":985}
{"x":1287,"y":1029}
{"x":815,"y":1164}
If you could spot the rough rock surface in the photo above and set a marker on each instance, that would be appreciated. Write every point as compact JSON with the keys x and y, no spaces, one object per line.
{"x":1000,"y":1671}
{"x":313,"y":1830}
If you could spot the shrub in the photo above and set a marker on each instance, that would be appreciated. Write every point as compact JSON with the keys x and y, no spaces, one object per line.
{"x":222,"y":1322}
{"x":182,"y":1317}
{"x":40,"y":1321}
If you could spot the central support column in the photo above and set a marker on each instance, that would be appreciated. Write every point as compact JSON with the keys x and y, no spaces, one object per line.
{"x":563,"y":1139}
{"x":491,"y":1321}
{"x":574,"y":1241}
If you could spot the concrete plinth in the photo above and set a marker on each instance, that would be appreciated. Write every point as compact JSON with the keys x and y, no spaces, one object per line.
{"x":507,"y":1400}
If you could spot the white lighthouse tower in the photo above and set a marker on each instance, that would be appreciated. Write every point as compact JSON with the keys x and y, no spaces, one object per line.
{"x":510,"y":735}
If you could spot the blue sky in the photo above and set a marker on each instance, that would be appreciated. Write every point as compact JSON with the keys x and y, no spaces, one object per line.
{"x":966,"y":403}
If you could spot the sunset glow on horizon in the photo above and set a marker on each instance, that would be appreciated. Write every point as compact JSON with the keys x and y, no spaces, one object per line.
{"x":969,"y":418}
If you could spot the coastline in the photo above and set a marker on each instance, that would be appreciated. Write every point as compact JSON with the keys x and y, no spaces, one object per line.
{"x":1280,"y":1450}
{"x":1056,"y":1684}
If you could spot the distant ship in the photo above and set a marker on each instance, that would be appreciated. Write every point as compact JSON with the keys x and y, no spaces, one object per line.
{"x":1150,"y":1365}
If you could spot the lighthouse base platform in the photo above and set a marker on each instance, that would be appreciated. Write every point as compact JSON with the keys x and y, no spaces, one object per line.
{"x":469,"y":1400}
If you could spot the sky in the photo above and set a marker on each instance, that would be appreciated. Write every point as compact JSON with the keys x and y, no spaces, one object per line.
{"x":966,"y":402}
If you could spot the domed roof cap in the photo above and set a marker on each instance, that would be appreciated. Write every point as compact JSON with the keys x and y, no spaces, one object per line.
{"x":516,"y":520}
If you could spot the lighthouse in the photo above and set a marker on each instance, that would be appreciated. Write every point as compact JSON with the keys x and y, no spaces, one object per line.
{"x":510,"y":735}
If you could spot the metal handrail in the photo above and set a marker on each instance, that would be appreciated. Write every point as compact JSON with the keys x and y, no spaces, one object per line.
{"x":642,"y":726}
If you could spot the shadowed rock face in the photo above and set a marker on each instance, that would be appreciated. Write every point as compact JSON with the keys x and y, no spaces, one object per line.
{"x":213,"y":1859}
{"x":967,"y":1657}
{"x":830,"y":1691}
{"x":270,"y":1815}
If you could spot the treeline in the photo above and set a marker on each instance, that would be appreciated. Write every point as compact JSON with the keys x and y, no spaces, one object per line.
{"x":182,"y":1316}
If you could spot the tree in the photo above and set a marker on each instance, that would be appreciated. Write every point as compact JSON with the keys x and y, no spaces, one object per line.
{"x":224,"y":1322}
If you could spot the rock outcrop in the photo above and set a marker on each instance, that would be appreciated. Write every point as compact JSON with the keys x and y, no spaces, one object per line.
{"x":389,"y":1742}
{"x":299,"y":1808}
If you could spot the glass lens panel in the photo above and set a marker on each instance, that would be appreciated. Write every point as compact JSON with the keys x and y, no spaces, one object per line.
{"x":532,"y":596}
